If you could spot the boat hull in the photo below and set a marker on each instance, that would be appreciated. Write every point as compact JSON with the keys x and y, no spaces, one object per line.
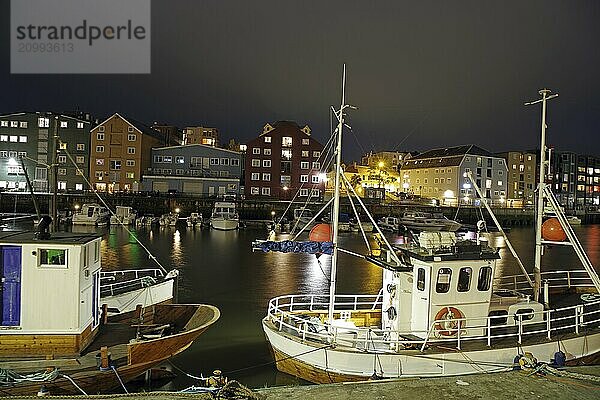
{"x":224,"y":224}
{"x":159,"y":293}
{"x":326,"y":364}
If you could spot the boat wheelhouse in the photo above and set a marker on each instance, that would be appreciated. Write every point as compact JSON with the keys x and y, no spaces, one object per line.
{"x":92,"y":214}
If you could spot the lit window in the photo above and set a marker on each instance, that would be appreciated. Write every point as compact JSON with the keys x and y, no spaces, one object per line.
{"x":63,"y":124}
{"x":4,"y":123}
{"x":23,"y":124}
{"x":3,"y":138}
{"x":131,"y":150}
{"x":130,"y":175}
{"x":22,"y":139}
{"x":52,"y":258}
{"x":62,"y":146}
{"x":255,"y":176}
{"x":266,"y":191}
{"x":100,"y":136}
{"x":256,"y":150}
{"x":266,"y":176}
{"x":43,"y":122}
{"x":304,"y":165}
{"x":314,"y":179}
{"x":99,"y":161}
{"x":254,"y":190}
{"x":62,"y":171}
{"x":316,"y":154}
{"x":62,"y":159}
{"x":303,"y":178}
{"x":286,"y":141}
{"x":255,"y":162}
{"x":179,"y":160}
{"x":14,"y":139}
{"x":316,"y":165}
{"x":266,"y":163}
{"x":100,"y":149}
{"x":80,"y":125}
{"x":267,"y":139}
{"x":14,"y":124}
{"x":305,"y":141}
{"x":80,"y":159}
{"x":267,"y":152}
{"x":131,"y":163}
{"x":80,"y":146}
{"x":131,"y":138}
{"x":303,"y":192}
{"x":304,"y":153}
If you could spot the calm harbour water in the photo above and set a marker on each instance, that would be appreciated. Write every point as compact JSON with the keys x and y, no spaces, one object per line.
{"x":220,"y":268}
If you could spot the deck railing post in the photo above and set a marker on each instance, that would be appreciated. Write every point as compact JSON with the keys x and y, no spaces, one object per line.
{"x":312,"y":302}
{"x":577,"y":320}
{"x":489,"y":331}
{"x":520,"y":319}
{"x":548,"y":323}
{"x":291,"y":303}
{"x":459,"y":327}
{"x":281,"y":322}
{"x":569,"y":279}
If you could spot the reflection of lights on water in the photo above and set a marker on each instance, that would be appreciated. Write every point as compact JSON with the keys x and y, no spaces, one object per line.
{"x":176,"y":255}
{"x":151,"y":235}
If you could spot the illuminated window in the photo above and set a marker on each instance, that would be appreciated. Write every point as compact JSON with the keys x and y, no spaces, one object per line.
{"x":52,"y":258}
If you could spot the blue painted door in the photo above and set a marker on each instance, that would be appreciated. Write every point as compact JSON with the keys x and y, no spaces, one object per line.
{"x":10,"y":273}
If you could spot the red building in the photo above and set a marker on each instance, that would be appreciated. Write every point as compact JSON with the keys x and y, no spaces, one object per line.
{"x":282,"y":161}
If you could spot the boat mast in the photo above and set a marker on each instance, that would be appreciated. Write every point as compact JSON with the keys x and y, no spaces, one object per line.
{"x":537,"y":273}
{"x":336,"y":199}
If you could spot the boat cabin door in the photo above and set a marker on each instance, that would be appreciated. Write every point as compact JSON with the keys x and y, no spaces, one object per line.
{"x":421,"y":300}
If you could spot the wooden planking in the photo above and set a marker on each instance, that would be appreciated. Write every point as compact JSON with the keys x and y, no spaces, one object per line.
{"x":36,"y":345}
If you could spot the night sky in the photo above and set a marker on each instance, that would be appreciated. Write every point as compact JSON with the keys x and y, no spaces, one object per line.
{"x":422,"y":73}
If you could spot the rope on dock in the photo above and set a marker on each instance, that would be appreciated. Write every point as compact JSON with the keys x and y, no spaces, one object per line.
{"x":8,"y":376}
{"x":74,"y":384}
{"x":119,"y":378}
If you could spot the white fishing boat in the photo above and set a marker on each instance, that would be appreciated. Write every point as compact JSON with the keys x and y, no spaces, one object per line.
{"x":389,"y":224}
{"x":573,"y":220}
{"x":92,"y":214}
{"x":123,"y":215}
{"x":224,"y":217}
{"x":441,"y":310}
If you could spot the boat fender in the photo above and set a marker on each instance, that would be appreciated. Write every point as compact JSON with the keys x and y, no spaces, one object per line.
{"x":527,"y":361}
{"x":559,"y":359}
{"x":391,"y":313}
{"x":446,"y":326}
{"x":481,"y":225}
{"x":390,"y":287}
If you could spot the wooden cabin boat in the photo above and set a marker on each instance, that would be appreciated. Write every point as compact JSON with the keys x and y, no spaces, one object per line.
{"x":443,"y":308}
{"x":52,"y":331}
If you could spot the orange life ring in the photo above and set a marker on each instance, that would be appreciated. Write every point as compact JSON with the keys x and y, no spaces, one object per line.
{"x":447,"y":324}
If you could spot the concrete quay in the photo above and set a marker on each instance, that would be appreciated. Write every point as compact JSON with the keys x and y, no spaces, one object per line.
{"x":517,"y":385}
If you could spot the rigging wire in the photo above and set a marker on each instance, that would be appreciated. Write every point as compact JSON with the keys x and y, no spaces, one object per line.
{"x":150,"y":255}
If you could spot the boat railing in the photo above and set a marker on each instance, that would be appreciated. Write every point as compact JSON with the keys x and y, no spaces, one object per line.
{"x":116,"y":282}
{"x":563,"y":279}
{"x":306,"y":317}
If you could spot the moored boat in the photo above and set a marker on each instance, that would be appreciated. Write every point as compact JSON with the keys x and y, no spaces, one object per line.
{"x":91,"y":214}
{"x":224,"y":217}
{"x":53,"y":333}
{"x":441,"y":310}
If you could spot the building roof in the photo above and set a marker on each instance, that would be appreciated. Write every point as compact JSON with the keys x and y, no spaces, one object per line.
{"x":444,"y":157}
{"x":16,"y":237}
{"x":140,"y":126}
{"x":188,"y":146}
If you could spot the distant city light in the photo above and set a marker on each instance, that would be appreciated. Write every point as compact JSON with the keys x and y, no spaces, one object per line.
{"x":466,"y":186}
{"x":177,"y":210}
{"x":323,"y":177}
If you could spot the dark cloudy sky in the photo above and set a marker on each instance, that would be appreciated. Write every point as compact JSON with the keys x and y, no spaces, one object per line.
{"x":423,"y":73}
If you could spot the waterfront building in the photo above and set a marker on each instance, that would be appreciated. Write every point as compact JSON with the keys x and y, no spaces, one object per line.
{"x":388,"y":160}
{"x":522,"y":178}
{"x":120,"y":150}
{"x":575,"y":179}
{"x":194,"y":169}
{"x":440,"y":174}
{"x":284,"y":160}
{"x":171,"y":134}
{"x":368,"y":181}
{"x":201,"y":135}
{"x":30,"y":136}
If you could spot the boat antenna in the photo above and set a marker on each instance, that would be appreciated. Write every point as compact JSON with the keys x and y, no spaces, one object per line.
{"x":537,"y":272}
{"x":33,"y":198}
{"x":80,"y":172}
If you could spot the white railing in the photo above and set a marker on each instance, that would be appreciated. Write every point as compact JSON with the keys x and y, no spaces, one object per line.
{"x":116,"y":282}
{"x":555,"y":279}
{"x":286,"y":314}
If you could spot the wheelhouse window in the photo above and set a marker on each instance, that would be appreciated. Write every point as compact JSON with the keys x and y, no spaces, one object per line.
{"x":421,"y":279}
{"x":464,"y":279}
{"x":443,"y":280}
{"x":485,"y":279}
{"x":52,"y":258}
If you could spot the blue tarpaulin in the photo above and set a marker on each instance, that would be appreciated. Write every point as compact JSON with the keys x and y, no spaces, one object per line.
{"x":289,"y":246}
